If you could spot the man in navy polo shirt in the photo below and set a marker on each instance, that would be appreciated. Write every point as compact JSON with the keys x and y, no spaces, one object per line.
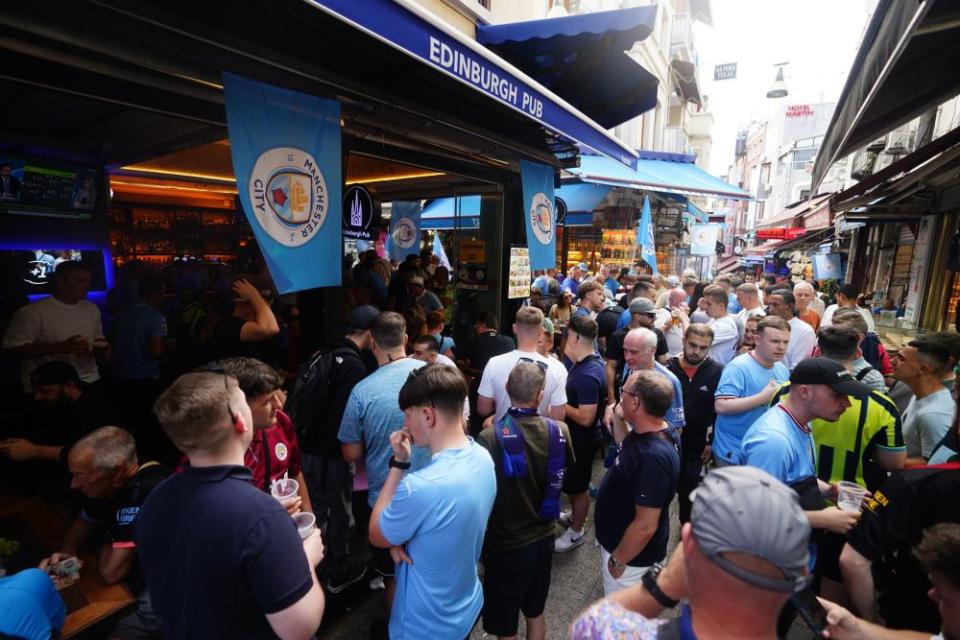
{"x":221,"y":558}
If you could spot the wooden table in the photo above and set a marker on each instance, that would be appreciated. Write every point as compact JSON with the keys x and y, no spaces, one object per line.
{"x":40,"y":531}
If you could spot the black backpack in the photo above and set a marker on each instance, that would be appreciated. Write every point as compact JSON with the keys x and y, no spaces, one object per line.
{"x":308,"y":402}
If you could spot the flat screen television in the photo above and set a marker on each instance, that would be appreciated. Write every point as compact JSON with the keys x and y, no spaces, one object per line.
{"x":34,"y":187}
{"x":35,"y":267}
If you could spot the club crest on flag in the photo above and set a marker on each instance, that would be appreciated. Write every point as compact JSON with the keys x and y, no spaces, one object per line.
{"x":289,"y":195}
{"x":541,"y":217}
{"x":404,"y":233}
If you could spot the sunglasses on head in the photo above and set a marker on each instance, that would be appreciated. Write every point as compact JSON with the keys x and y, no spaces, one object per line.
{"x":543,"y":365}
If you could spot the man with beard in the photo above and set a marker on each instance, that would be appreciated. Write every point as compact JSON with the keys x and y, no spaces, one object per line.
{"x":699,"y":376}
{"x":65,"y":410}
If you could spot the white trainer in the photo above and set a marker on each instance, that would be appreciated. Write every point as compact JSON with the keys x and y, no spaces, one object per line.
{"x":569,"y":540}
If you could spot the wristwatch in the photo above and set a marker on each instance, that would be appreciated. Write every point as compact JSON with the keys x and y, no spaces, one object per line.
{"x":649,"y":580}
{"x":396,"y":464}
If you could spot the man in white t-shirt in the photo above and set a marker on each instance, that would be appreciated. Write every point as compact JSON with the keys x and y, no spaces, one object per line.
{"x":748,"y":295}
{"x":803,"y":340}
{"x":847,"y":297}
{"x":673,"y":321}
{"x":726,"y":333}
{"x":65,"y":326}
{"x":493,"y":398}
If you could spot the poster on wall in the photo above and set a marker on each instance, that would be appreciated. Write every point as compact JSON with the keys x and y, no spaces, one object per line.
{"x":519,"y":285}
{"x":826,"y":266}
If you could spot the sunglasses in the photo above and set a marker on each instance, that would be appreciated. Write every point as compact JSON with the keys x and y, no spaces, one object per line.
{"x":543,"y":365}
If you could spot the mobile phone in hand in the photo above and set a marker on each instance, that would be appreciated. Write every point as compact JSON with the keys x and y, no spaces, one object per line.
{"x":810,"y":609}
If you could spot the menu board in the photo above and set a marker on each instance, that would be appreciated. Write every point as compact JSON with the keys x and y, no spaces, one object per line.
{"x":519,"y":286}
{"x":42,"y":188}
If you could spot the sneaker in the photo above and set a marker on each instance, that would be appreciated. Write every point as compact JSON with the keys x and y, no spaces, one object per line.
{"x":347,"y":576}
{"x":569,"y":540}
{"x":376,"y":584}
{"x":565,"y":518}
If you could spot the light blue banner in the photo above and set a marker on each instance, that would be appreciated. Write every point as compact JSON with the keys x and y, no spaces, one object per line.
{"x":404,"y":237}
{"x":540,"y":214}
{"x":645,"y":237}
{"x":703,"y":239}
{"x":286,"y":157}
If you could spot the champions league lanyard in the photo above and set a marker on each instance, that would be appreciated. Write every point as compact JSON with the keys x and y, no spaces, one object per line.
{"x":511,"y":440}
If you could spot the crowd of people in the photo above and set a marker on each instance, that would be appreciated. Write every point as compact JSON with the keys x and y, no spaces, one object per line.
{"x":224,"y":482}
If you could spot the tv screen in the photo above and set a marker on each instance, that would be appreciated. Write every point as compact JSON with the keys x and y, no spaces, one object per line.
{"x":47,"y":188}
{"x":35,"y":267}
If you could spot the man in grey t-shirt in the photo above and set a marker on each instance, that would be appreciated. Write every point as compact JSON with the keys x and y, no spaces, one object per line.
{"x":921,"y":365}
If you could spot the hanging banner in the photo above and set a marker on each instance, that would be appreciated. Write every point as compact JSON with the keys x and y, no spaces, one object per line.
{"x":539,"y":214}
{"x":285,"y":147}
{"x":359,"y":212}
{"x":404,"y":237}
{"x":826,"y":266}
{"x":645,"y":237}
{"x":439,"y":251}
{"x":703,"y":240}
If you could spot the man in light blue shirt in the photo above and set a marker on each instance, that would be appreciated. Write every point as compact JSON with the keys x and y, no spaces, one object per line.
{"x":31,"y":606}
{"x":781,"y":441}
{"x":435,"y":519}
{"x":372,"y":414}
{"x":747,"y":386}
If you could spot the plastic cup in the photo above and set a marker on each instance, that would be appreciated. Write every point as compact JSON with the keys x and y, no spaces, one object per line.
{"x":306,"y":522}
{"x":286,"y":491}
{"x":850,"y":496}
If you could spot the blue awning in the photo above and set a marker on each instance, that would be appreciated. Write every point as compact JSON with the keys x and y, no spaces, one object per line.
{"x":698,"y":214}
{"x":442,"y":213}
{"x":662,"y":172}
{"x":582,"y":198}
{"x":420,"y":34}
{"x":582,"y":59}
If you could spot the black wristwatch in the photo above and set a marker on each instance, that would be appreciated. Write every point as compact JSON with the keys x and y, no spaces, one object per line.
{"x":650,"y":584}
{"x":396,"y":464}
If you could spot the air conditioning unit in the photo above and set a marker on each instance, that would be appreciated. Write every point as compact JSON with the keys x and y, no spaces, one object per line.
{"x":877,"y":145}
{"x":863,"y":163}
{"x":898,"y":141}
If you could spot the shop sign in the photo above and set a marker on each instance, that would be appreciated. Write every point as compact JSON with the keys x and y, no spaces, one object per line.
{"x":726,"y":71}
{"x":818,"y":220}
{"x":519,"y":284}
{"x":472,"y":251}
{"x":799,"y":111}
{"x":560,"y":205}
{"x":780,"y":233}
{"x":359,"y":212}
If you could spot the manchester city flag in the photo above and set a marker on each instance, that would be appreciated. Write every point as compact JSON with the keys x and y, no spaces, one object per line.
{"x":703,"y":239}
{"x":648,"y":250}
{"x":404,"y":237}
{"x":539,"y":213}
{"x":286,"y":156}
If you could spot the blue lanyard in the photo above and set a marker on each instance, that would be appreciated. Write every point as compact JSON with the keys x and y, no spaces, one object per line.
{"x":686,"y":624}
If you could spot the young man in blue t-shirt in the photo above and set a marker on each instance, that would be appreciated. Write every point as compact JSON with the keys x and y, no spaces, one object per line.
{"x":433,"y":520}
{"x":781,"y":441}
{"x":747,"y":386}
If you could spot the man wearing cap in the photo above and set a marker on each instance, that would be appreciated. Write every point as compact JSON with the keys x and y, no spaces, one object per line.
{"x":425,"y":298}
{"x":741,"y":556}
{"x":328,"y":477}
{"x":642,"y":316}
{"x":65,"y":410}
{"x":781,"y":441}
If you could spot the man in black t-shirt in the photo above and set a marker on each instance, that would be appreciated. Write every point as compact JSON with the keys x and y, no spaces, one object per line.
{"x":64,"y":410}
{"x":106,"y":471}
{"x":586,"y":400}
{"x":699,"y":376}
{"x":473,"y":356}
{"x":633,"y":505}
{"x":891,"y":525}
{"x":642,"y":315}
{"x":244,"y":331}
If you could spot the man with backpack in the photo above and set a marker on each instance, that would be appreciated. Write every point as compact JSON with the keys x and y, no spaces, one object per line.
{"x":316,"y":406}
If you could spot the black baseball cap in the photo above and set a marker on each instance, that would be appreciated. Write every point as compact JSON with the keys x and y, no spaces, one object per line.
{"x":831,"y":373}
{"x":55,"y":372}
{"x":360,"y":318}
